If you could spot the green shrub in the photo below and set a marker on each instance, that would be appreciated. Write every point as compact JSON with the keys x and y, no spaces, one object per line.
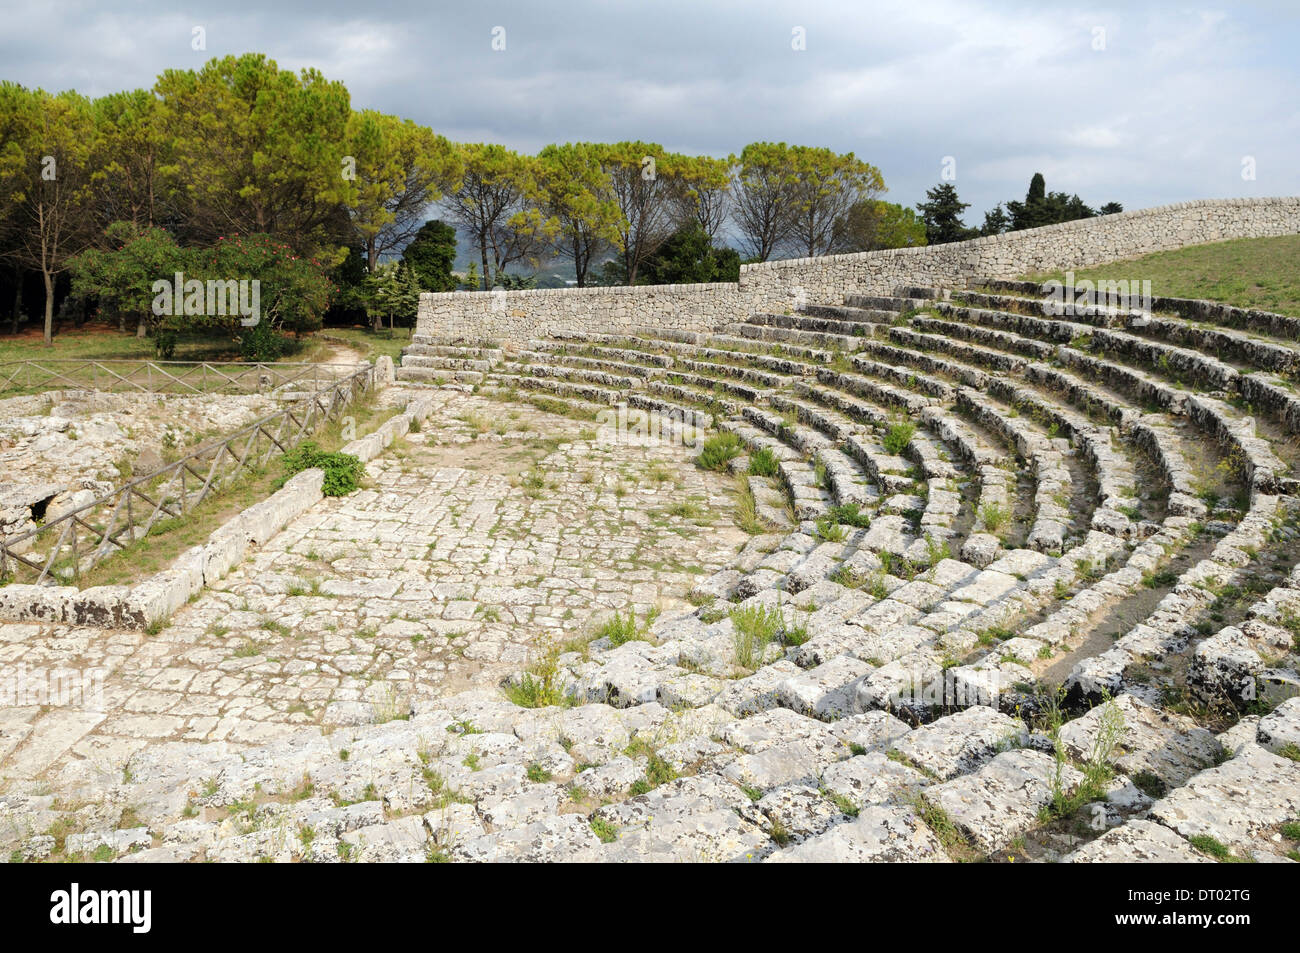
{"x":755,"y":627}
{"x":830,"y":530}
{"x":720,"y":450}
{"x":994,"y":516}
{"x":607,"y":832}
{"x":540,"y":686}
{"x":261,"y":343}
{"x":620,"y":629}
{"x":762,"y":462}
{"x":342,"y":470}
{"x":849,"y":515}
{"x":898,"y":437}
{"x":164,"y":344}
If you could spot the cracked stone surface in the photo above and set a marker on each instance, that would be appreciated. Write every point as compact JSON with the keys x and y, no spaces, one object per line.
{"x":446,"y":572}
{"x":966,"y":584}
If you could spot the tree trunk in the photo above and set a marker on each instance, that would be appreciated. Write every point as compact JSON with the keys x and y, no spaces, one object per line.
{"x":141,"y":328}
{"x":49,"y":309}
{"x":18,"y":298}
{"x":483,"y":252}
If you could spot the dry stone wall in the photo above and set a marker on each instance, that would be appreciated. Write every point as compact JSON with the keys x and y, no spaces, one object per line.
{"x":786,"y":285}
{"x":540,"y":312}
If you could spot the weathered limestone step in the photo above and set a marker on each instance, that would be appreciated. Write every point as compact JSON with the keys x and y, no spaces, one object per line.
{"x":890,"y":353}
{"x":438,"y":376}
{"x":903,"y":377}
{"x":558,"y":386}
{"x":893,"y":303}
{"x":851,"y":313}
{"x":794,"y":336}
{"x":880,"y":834}
{"x":1237,"y":803}
{"x":961,"y":743}
{"x":1154,"y":743}
{"x":602,"y":365}
{"x":1001,"y":801}
{"x":810,"y":323}
{"x":1138,"y":842}
{"x":574,"y":374}
{"x":420,"y":348}
{"x":446,"y":363}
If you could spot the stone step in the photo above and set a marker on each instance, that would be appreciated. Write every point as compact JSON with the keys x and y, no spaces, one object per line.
{"x":449,"y":350}
{"x":852,"y":313}
{"x":892,"y":303}
{"x":438,"y":375}
{"x":446,"y":363}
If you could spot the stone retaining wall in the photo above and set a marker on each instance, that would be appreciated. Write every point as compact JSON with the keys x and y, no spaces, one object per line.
{"x":780,"y":286}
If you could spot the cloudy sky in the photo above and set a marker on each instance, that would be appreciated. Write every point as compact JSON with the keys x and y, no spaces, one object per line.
{"x":1135,"y":102}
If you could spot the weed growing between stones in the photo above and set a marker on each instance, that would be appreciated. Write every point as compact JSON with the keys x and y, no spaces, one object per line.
{"x":540,"y":685}
{"x":762,"y":462}
{"x":719,"y":450}
{"x":830,"y":531}
{"x":658,"y":771}
{"x":1213,"y":848}
{"x":603,"y":829}
{"x":898,"y":437}
{"x":994,"y":516}
{"x":1097,"y":770}
{"x":849,"y":514}
{"x":620,"y":629}
{"x":747,"y":517}
{"x":755,"y":628}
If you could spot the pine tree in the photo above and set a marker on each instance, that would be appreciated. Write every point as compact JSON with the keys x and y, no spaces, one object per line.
{"x":942,"y":215}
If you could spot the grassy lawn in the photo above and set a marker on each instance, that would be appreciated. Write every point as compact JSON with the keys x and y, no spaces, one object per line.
{"x":104,"y":342}
{"x":1248,"y":272}
{"x":371,"y":344}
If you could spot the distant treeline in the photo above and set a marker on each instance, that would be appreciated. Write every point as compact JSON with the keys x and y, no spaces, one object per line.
{"x":942,"y":211}
{"x":241,"y":170}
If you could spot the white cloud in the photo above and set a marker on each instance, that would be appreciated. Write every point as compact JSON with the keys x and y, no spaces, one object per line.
{"x":1163,"y":113}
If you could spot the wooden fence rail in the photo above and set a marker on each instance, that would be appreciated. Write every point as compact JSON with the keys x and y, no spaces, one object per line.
{"x":163,"y":377}
{"x":73,"y":542}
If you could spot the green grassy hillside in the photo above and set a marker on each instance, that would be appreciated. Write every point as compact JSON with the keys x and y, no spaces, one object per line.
{"x":1248,"y":272}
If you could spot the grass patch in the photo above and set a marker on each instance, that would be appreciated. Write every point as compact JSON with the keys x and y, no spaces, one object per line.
{"x":762,"y":462}
{"x":1246,"y":272}
{"x":620,"y":629}
{"x":747,"y":517}
{"x":1213,"y":848}
{"x":898,"y":436}
{"x":849,"y":514}
{"x":603,"y":829}
{"x":994,"y":516}
{"x":755,"y":628}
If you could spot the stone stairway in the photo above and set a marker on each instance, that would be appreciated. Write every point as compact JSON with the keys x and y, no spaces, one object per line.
{"x":1027,"y":588}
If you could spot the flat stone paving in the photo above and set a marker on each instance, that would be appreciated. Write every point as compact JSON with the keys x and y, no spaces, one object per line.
{"x":491,"y":534}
